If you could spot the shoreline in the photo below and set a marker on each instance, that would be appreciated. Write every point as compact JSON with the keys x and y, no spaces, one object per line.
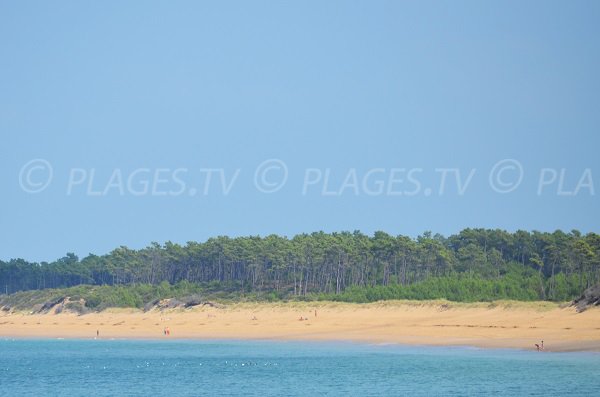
{"x":512,"y":325}
{"x":592,"y":347}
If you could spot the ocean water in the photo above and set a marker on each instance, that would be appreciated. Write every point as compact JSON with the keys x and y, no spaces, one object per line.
{"x":249,"y":368}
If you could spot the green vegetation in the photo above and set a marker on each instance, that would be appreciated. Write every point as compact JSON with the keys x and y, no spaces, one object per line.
{"x":473,"y":265}
{"x":457,"y":288}
{"x":97,"y":298}
{"x":101,"y":297}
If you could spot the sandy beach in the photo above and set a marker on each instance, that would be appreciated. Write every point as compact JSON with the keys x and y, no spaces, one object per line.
{"x":491,"y":325}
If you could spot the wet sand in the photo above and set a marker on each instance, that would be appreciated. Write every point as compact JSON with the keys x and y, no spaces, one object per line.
{"x":497,"y":325}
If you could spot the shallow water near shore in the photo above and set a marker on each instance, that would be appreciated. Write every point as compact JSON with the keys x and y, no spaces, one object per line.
{"x":257,"y":368}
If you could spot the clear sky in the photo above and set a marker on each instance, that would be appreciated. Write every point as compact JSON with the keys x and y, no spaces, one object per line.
{"x":348,"y":97}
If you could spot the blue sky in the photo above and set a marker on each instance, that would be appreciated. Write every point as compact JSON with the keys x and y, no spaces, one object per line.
{"x":344,"y":86}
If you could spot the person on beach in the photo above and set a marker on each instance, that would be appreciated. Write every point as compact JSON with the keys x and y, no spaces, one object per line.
{"x":97,"y":333}
{"x":540,"y":346}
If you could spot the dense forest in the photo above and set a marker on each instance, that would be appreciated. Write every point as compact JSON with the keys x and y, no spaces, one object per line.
{"x":475,"y":264}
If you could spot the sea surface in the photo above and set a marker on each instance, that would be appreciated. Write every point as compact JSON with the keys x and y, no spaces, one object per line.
{"x":231,"y":368}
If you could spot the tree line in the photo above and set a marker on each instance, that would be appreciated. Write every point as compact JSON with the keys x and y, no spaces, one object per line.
{"x":536,"y":265}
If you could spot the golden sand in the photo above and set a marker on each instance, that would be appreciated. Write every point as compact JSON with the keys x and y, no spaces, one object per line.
{"x":500,"y":324}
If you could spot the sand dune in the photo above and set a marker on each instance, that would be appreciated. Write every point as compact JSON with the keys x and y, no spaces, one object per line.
{"x":515,"y":325}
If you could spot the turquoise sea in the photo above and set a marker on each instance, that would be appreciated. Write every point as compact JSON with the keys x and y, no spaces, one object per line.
{"x":230,"y":368}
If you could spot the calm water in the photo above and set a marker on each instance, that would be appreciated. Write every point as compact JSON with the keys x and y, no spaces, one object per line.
{"x":193,"y":368}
